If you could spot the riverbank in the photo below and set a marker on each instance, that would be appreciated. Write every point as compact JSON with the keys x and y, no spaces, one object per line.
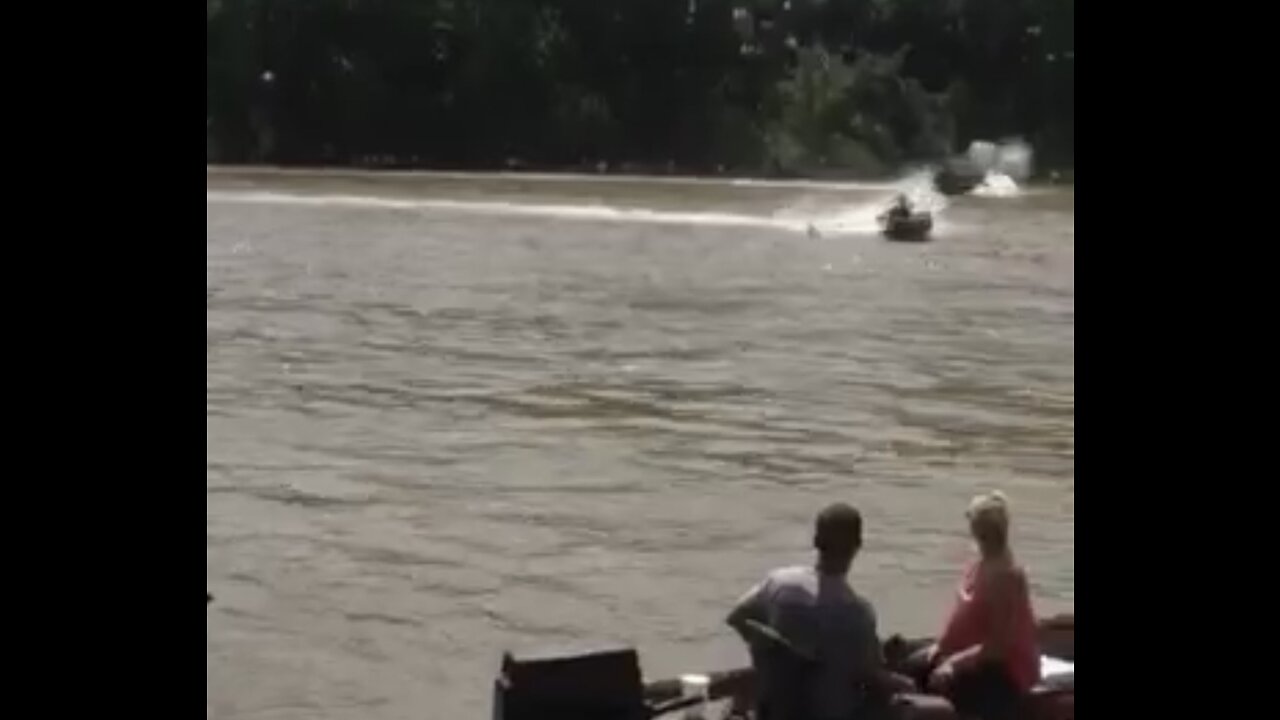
{"x":602,"y":173}
{"x":600,"y":168}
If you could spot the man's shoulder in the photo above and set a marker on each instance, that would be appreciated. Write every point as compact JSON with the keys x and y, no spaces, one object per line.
{"x":790,"y":581}
{"x":862,"y":604}
{"x":791,"y":574}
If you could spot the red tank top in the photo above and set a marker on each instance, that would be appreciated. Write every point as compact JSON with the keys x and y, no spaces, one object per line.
{"x":969,"y":624}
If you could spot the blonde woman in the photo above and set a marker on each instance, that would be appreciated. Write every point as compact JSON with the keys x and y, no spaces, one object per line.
{"x":986,"y":659}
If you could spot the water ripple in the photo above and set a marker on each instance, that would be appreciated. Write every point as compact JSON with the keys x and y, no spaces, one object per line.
{"x":433,"y":437}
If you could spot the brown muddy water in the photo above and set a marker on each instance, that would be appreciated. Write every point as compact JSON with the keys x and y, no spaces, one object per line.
{"x":448,"y":415}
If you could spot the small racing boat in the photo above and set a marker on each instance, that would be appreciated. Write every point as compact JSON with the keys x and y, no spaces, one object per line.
{"x":911,"y":227}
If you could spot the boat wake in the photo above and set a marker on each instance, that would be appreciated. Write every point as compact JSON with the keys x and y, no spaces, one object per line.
{"x":591,"y":213}
{"x":811,"y":216}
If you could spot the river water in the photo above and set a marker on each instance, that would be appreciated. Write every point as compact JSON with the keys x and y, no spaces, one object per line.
{"x":451,"y":415}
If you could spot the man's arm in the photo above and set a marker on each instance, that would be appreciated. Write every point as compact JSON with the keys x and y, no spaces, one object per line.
{"x":750,"y":612}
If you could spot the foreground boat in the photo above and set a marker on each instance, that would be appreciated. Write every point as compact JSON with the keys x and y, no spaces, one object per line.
{"x":606,"y":684}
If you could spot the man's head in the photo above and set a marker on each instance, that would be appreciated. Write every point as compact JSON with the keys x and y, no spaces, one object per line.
{"x":838,"y":536}
{"x":989,"y":522}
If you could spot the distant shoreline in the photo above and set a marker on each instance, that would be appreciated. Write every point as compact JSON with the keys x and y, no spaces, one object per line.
{"x":622,"y":174}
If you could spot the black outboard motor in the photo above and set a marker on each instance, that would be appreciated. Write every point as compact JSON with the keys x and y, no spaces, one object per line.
{"x":596,"y":685}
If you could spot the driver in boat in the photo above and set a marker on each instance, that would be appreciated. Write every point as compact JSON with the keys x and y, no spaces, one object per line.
{"x":901,"y":209}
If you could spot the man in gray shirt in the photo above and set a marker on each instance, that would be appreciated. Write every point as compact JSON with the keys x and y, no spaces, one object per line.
{"x":813,"y":639}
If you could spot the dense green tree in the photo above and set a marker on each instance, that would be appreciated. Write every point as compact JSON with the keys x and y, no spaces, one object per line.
{"x":797,"y":86}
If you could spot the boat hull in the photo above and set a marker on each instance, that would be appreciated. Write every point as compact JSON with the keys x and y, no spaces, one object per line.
{"x":915,"y":228}
{"x":1048,"y":701}
{"x":606,"y":684}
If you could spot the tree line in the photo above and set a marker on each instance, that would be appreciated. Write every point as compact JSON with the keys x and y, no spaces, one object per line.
{"x":799,"y":87}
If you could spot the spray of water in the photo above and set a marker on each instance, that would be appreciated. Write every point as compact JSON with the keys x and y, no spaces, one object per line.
{"x":997,"y":185}
{"x":1015,"y":161}
{"x":920,"y":190}
{"x":1006,"y":166}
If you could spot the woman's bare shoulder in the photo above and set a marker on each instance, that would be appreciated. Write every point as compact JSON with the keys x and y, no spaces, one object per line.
{"x":1004,"y":573}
